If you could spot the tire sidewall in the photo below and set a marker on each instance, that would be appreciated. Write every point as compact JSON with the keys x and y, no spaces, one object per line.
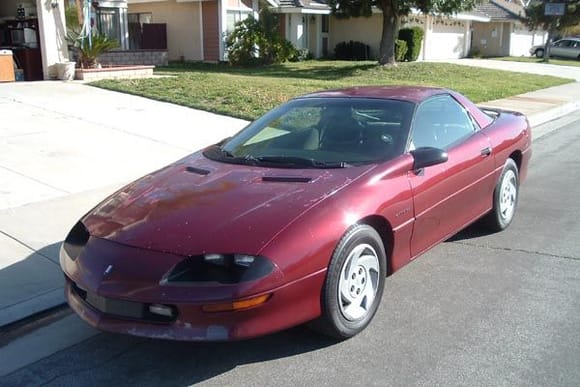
{"x":358,"y":234}
{"x":502,"y":223}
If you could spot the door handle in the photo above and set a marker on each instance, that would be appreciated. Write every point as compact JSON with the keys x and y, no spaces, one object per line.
{"x":486,"y":152}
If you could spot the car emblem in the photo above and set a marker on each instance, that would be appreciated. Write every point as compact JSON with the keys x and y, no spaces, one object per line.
{"x":108,"y":270}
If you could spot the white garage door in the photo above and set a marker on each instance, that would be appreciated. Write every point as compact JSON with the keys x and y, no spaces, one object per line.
{"x":446,"y":41}
{"x":522,"y":40}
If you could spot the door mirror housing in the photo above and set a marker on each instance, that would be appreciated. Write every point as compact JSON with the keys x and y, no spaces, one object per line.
{"x":427,"y":156}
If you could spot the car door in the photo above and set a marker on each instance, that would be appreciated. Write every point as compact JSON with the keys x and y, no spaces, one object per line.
{"x":575,"y":49}
{"x":561,"y":48}
{"x":450,"y":195}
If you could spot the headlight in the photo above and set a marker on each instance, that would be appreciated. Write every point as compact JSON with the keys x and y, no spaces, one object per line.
{"x":221,"y":268}
{"x":76,"y":240}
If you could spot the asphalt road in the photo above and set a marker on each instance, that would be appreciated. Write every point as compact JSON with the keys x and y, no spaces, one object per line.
{"x":500,"y":309}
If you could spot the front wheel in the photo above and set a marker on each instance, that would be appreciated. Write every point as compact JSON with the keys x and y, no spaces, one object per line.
{"x":505,"y":198}
{"x":354,"y":283}
{"x":540,"y":53}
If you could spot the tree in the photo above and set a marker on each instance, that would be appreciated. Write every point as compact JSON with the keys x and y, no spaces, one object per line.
{"x":392,"y":11}
{"x":536,"y":17}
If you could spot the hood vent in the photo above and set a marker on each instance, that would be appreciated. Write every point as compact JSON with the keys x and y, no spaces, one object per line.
{"x":199,"y":171}
{"x":286,"y":179}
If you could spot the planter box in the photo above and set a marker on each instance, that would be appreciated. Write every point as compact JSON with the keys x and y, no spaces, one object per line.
{"x":114,"y":72}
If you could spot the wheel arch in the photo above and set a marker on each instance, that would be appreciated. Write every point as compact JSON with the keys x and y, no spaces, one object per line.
{"x":516,"y":156}
{"x":385,"y":231}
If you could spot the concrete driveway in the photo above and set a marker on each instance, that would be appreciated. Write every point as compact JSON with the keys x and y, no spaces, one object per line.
{"x":63,"y":148}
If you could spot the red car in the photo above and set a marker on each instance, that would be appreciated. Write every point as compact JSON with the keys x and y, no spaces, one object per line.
{"x":297,"y":218}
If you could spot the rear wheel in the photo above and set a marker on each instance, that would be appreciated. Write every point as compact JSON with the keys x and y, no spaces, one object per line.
{"x":505,"y":198}
{"x":540,"y":53}
{"x":354,"y":283}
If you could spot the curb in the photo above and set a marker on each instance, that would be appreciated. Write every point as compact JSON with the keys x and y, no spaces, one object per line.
{"x":37,"y":304}
{"x":538,"y":119}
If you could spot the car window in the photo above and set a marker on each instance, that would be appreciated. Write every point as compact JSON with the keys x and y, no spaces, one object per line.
{"x":326,"y":130}
{"x":440,"y":122}
{"x":563,"y":43}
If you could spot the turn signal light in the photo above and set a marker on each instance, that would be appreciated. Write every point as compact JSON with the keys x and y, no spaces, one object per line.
{"x":236,"y":305}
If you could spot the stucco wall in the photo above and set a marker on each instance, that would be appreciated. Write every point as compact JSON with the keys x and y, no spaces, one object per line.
{"x":362,"y":29}
{"x":446,"y":38}
{"x":487,"y":38}
{"x":183,"y":26}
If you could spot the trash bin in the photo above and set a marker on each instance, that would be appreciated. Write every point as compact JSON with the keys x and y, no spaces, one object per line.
{"x":6,"y":66}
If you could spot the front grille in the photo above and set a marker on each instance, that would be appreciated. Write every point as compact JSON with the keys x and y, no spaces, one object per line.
{"x":120,"y":308}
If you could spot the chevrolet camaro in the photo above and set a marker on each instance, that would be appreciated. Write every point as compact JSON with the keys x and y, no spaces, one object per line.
{"x":297,"y":218}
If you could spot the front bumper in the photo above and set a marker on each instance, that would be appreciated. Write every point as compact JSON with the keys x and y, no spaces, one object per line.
{"x":289,"y":305}
{"x":112,"y":287}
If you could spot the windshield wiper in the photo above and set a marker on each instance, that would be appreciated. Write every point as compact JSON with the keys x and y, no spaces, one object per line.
{"x":297,"y":161}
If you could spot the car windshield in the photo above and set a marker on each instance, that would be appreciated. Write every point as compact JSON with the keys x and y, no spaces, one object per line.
{"x":321,"y":133}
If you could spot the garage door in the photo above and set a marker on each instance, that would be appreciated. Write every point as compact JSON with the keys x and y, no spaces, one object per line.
{"x":447,"y":40}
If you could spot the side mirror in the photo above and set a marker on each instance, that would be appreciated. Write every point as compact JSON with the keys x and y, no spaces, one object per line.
{"x":427,"y":156}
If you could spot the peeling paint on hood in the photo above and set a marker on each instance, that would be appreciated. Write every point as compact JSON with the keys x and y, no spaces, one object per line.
{"x":231,"y":209}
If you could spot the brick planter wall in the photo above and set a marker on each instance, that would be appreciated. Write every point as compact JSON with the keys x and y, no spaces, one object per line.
{"x":134,"y":57}
{"x":117,"y":72}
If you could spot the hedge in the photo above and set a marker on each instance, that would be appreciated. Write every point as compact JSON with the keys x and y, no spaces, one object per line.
{"x":413,"y":36}
{"x":352,"y":51}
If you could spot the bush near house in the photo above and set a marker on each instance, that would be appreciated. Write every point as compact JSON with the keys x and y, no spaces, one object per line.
{"x":414,"y":37}
{"x":352,"y":51}
{"x":400,"y":50}
{"x":257,"y":42}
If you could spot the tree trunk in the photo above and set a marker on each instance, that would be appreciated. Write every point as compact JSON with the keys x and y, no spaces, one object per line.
{"x":391,"y":21}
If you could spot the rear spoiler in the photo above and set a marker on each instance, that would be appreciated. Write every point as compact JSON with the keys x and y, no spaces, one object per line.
{"x":496,"y":112}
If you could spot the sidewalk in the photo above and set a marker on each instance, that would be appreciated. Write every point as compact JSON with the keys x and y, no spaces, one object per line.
{"x":59,"y":156}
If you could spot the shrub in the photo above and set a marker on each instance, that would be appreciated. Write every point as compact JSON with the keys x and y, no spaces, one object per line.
{"x":414,"y":37}
{"x":88,"y":51}
{"x":352,"y":51}
{"x":474,"y":53}
{"x":258,"y":42}
{"x":400,"y":50}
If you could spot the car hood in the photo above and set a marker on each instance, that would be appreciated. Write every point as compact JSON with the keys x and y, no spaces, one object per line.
{"x":197,"y":206}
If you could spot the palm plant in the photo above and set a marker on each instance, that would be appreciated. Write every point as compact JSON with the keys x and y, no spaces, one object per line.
{"x":88,"y":50}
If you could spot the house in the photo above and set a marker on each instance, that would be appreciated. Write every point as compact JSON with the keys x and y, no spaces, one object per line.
{"x":504,"y":34}
{"x":308,"y":25}
{"x":34,"y":31}
{"x":493,"y":28}
{"x":196,"y":29}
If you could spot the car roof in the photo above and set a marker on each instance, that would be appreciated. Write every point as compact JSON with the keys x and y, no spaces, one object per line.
{"x":414,"y":94}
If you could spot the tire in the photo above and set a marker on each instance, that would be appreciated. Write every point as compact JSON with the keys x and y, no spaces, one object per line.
{"x":354,"y":283}
{"x":540,"y":53}
{"x":505,"y":198}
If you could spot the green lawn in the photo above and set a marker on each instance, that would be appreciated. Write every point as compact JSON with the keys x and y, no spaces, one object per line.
{"x":249,"y":92}
{"x":533,"y":59}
